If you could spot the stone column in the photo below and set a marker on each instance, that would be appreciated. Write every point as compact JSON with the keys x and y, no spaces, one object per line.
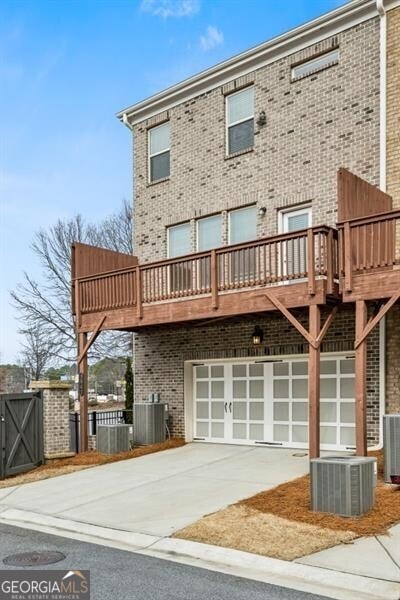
{"x":56,"y":436}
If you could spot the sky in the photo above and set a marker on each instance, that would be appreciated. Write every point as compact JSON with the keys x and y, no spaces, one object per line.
{"x":66,"y":68}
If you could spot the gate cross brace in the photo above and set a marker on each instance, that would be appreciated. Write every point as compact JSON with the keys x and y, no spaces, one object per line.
{"x":315,"y":342}
{"x":375,"y":320}
{"x":92,"y":339}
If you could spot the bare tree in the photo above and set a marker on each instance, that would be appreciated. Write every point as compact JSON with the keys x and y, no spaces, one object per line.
{"x":45,"y":305}
{"x":36,"y":352}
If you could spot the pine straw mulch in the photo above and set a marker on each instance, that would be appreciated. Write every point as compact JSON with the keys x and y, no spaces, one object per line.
{"x":85,"y":460}
{"x":292,"y":501}
{"x":279,"y":523}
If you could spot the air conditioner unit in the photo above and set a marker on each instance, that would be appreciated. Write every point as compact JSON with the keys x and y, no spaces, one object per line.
{"x":391,"y":446}
{"x":149,"y":423}
{"x":343,"y":485}
{"x":111,"y":439}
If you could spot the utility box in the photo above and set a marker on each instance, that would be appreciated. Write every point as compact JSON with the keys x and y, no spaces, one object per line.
{"x":391,"y":447}
{"x":149,"y":423}
{"x":343,"y":485}
{"x":111,"y":439}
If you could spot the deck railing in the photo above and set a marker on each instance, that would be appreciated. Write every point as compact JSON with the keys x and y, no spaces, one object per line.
{"x":309,"y":254}
{"x":369,"y":244}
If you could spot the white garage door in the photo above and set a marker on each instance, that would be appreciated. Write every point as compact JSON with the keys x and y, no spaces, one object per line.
{"x":266,"y":402}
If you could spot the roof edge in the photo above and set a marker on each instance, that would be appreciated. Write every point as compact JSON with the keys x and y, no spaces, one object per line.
{"x":339,"y":19}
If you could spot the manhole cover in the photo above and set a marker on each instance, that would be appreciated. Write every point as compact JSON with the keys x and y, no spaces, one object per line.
{"x":31,"y":559}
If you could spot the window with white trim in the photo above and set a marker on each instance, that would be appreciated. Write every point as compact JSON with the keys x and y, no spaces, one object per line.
{"x":243,"y":228}
{"x":243,"y":224}
{"x":179,"y":240}
{"x":318,"y":63}
{"x":240,"y":121}
{"x":159,"y":151}
{"x":209,"y":232}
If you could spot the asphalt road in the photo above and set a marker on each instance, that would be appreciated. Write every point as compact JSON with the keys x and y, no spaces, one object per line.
{"x":120,"y":575}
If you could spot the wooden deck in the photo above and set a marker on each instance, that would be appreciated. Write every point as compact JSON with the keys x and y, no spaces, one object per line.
{"x":300,"y":268}
{"x":369,"y":249}
{"x":358,"y":262}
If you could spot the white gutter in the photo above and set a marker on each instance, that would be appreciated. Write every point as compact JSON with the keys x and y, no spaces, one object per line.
{"x":125,"y":121}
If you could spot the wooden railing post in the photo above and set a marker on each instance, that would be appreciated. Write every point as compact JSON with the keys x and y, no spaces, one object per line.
{"x":214,"y":279}
{"x":83,"y":393}
{"x":348,"y":267}
{"x":139,"y":294}
{"x":310,"y":261}
{"x":329,"y":262}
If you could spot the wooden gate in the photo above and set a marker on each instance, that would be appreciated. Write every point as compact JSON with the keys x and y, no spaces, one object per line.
{"x":21,"y":432}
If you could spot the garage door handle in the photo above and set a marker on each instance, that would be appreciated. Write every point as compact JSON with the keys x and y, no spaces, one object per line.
{"x":230,"y":407}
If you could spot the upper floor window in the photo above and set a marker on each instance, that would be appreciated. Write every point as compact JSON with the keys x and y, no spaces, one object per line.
{"x":209,"y":233}
{"x":159,"y":151}
{"x":315,"y":64}
{"x":240,"y":120}
{"x":179,"y":240}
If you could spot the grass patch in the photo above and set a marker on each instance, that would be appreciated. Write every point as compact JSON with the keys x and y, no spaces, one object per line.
{"x":85,"y":460}
{"x":244,"y":528}
{"x":279,"y":523}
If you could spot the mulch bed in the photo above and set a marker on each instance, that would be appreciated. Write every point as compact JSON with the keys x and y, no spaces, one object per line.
{"x":292,"y":501}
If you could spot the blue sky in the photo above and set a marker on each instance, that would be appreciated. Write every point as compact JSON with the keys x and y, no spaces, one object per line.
{"x":66,"y":68}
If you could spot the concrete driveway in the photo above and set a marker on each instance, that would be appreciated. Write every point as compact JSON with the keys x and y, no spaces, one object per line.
{"x":159,"y":493}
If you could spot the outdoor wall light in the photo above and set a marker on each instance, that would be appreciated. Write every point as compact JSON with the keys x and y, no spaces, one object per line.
{"x":257,"y":336}
{"x":262,"y":119}
{"x":261,"y":211}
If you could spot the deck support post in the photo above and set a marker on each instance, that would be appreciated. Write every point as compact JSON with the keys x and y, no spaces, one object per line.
{"x":84,"y":344}
{"x":361,"y":379}
{"x":314,"y":336}
{"x":314,"y":382}
{"x":83,"y":392}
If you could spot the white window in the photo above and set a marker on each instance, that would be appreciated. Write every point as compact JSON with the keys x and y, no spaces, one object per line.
{"x":159,"y":152}
{"x":243,"y":228}
{"x":315,"y":64}
{"x":295,"y":219}
{"x":179,"y":240}
{"x":295,"y":252}
{"x":240,"y":120}
{"x":209,"y":233}
{"x":242,"y":225}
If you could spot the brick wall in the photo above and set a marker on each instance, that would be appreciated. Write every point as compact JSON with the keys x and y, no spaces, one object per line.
{"x":314,"y":126}
{"x":393,"y":360}
{"x":55,"y":417}
{"x":160,"y":354}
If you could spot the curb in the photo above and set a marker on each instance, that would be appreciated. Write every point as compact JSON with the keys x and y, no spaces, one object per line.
{"x":306,"y":578}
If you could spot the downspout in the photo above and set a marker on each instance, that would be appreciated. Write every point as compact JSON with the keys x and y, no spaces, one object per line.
{"x":126,"y":122}
{"x":382,"y":184}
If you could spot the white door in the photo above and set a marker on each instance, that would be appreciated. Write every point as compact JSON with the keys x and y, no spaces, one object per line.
{"x":295,"y":252}
{"x":256,"y":402}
